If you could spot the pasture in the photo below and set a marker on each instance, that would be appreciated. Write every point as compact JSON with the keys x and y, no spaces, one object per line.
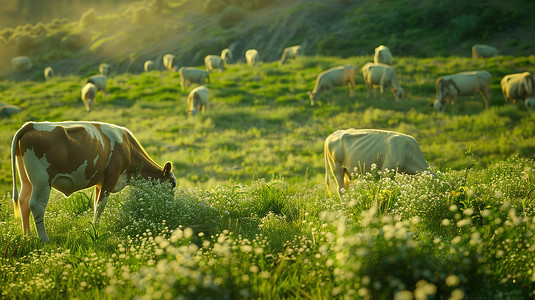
{"x":251,"y":217}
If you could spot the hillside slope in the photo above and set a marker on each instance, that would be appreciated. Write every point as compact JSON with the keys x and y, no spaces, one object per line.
{"x":134,"y":32}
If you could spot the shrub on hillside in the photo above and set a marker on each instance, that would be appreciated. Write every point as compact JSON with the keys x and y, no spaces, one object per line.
{"x":230,"y":16}
{"x":88,"y":18}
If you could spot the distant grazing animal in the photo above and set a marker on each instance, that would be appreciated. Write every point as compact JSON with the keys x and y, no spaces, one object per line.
{"x":290,"y":52}
{"x":226,"y":55}
{"x":483,"y":51}
{"x":517,"y":86}
{"x":213,"y":62}
{"x":149,"y":66}
{"x":7,"y":110}
{"x":104,"y":69}
{"x":71,"y":156}
{"x":100,"y":81}
{"x":89,"y":93}
{"x":169,"y":62}
{"x":337,"y":76}
{"x":252,"y":57}
{"x":354,"y":151}
{"x":530,"y":103}
{"x":21,"y":63}
{"x":382,"y":76}
{"x":192,"y":75}
{"x":197,"y":100}
{"x":49,"y":73}
{"x":462,"y":84}
{"x":382,"y":55}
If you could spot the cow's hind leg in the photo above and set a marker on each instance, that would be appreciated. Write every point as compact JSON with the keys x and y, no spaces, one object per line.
{"x":38,"y":202}
{"x":24,"y":198}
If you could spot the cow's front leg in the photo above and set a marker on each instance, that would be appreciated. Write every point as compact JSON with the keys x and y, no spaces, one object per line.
{"x":101,"y":199}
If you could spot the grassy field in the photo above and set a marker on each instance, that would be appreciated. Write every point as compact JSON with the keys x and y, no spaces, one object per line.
{"x":251,"y":217}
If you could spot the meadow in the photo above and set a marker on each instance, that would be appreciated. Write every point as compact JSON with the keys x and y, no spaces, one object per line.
{"x":251,"y":217}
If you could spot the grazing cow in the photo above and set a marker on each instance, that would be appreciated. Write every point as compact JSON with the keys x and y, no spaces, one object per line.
{"x":192,"y":75}
{"x":517,"y":86}
{"x":530,"y":103}
{"x":104,"y":69}
{"x":226,"y":55}
{"x":252,"y":57}
{"x":89,"y":93}
{"x":71,"y":156}
{"x":197,"y":100}
{"x":7,"y":110}
{"x":337,"y":76}
{"x":462,"y":84}
{"x":169,"y":62}
{"x":213,"y":62}
{"x":49,"y":73}
{"x":483,"y":51}
{"x":99,"y":81}
{"x":290,"y":52}
{"x":21,"y":63}
{"x":382,"y":55}
{"x":382,"y":76}
{"x":149,"y":66}
{"x":354,"y":151}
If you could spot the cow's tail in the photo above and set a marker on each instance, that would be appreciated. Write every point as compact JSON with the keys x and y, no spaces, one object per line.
{"x":14,"y":145}
{"x":327,"y":168}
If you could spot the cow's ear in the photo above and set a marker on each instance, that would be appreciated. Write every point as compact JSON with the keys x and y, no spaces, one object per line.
{"x":394,"y":90}
{"x":167,"y":168}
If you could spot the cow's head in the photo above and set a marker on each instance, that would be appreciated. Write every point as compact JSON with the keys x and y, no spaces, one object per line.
{"x":399,"y":94}
{"x":168,"y":174}
{"x":313,"y":97}
{"x":438,"y":105}
{"x":530,"y":103}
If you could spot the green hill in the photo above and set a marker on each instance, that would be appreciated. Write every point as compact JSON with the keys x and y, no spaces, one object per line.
{"x":127,"y":34}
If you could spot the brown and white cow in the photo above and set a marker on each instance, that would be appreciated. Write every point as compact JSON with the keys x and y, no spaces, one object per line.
{"x":226,"y":55}
{"x":382,"y":76}
{"x":470,"y":83}
{"x":21,"y":63}
{"x":169,"y":62}
{"x":192,"y":75}
{"x":212,"y":62}
{"x":355,"y":150}
{"x":104,"y":69}
{"x":252,"y":57}
{"x":517,"y":86}
{"x":100,"y":81}
{"x":48,"y":73}
{"x":382,"y":55}
{"x":290,"y":52}
{"x":89,"y":93}
{"x":71,"y":156}
{"x":483,"y":51}
{"x":198,"y":100}
{"x":149,"y":65}
{"x":337,"y":76}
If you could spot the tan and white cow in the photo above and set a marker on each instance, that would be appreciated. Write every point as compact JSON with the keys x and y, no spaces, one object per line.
{"x":517,"y":86}
{"x":192,"y":75}
{"x":89,"y":93}
{"x":198,"y":100}
{"x":226,"y":55}
{"x":382,"y":76}
{"x":100,"y":81}
{"x":337,"y":76}
{"x":469,"y":83}
{"x":7,"y":110}
{"x":169,"y":62}
{"x":71,"y":156}
{"x":21,"y":63}
{"x":149,"y":65}
{"x":104,"y":69}
{"x":290,"y":52}
{"x":483,"y":51}
{"x":48,"y":73}
{"x":252,"y":57}
{"x":355,"y":150}
{"x":382,"y":55}
{"x":212,"y":62}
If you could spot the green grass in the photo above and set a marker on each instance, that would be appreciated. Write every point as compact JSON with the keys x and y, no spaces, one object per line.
{"x":251,"y":216}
